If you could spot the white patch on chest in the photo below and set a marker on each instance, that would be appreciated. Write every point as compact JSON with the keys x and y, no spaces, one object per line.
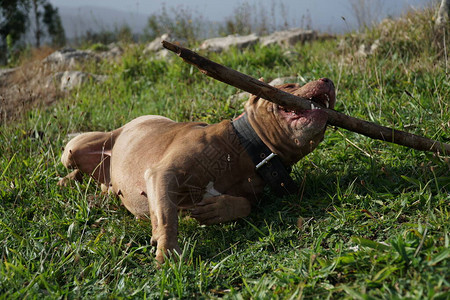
{"x":210,"y":191}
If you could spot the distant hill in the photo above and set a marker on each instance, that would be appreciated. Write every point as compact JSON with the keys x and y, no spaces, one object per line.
{"x":337,"y":18}
{"x":77,"y":21}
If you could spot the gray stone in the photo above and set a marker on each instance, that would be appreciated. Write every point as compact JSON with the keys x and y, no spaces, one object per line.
{"x":70,"y":57}
{"x":114,"y":52}
{"x":283,"y":80}
{"x":5,"y":73}
{"x":224,"y":43}
{"x":155,"y":45}
{"x":68,"y":80}
{"x":238,"y":97}
{"x":163,"y":54}
{"x":288,"y":38}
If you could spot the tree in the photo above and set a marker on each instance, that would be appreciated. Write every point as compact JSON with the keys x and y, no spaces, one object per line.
{"x":45,"y":14}
{"x":13,"y":20}
{"x":13,"y":25}
{"x":37,"y":22}
{"x":53,"y":22}
{"x":15,"y":16}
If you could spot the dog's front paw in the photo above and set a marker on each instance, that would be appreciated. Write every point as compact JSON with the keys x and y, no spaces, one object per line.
{"x":75,"y":175}
{"x":64,"y":182}
{"x":221,"y":209}
{"x":208,"y":211}
{"x":166,"y":248}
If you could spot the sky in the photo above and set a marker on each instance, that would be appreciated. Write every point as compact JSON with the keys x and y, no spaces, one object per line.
{"x":323,"y":15}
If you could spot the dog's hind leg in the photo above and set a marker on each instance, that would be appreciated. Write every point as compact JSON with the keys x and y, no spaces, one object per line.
{"x":89,"y":153}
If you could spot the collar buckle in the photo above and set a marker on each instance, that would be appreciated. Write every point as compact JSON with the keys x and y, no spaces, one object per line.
{"x":265,"y":160}
{"x":275,"y":173}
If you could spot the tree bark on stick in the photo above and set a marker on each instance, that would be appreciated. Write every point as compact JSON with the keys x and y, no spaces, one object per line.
{"x":270,"y":93}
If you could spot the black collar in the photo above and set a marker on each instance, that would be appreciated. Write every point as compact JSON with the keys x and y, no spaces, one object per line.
{"x":267,"y":164}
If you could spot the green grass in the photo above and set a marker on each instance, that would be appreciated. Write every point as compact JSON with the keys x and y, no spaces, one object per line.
{"x":371,"y":219}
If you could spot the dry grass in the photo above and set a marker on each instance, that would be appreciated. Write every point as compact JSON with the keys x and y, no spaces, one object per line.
{"x":27,"y":87}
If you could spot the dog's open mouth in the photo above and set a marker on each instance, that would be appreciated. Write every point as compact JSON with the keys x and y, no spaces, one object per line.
{"x":321,"y":92}
{"x":322,"y":100}
{"x":304,"y":115}
{"x":324,"y":96}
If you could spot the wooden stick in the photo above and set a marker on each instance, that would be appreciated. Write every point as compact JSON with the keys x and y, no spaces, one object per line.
{"x":268,"y":92}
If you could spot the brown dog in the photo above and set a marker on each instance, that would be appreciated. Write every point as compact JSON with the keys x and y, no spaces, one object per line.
{"x":156,"y":165}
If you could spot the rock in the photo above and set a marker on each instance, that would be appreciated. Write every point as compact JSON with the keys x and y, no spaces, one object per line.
{"x":163,"y":54}
{"x":69,"y":80}
{"x":224,"y":43}
{"x":114,"y":52}
{"x":283,"y":80}
{"x":238,"y":97}
{"x":155,"y":45}
{"x":70,"y":57}
{"x":5,"y":74}
{"x":288,"y":38}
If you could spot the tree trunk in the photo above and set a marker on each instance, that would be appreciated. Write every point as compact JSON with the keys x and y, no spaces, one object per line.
{"x":37,"y":32}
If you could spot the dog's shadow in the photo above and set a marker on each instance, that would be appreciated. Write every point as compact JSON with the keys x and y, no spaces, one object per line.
{"x":320,"y":194}
{"x":280,"y":221}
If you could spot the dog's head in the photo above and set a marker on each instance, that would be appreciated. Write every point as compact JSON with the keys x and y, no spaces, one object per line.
{"x":293,"y":133}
